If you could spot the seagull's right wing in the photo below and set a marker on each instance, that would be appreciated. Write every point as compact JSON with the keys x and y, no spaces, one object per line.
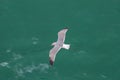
{"x":53,"y":53}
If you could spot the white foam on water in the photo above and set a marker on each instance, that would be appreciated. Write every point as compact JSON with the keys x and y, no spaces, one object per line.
{"x":17,"y":56}
{"x":103,"y":76}
{"x":20,"y":70}
{"x":5,"y":64}
{"x":82,"y":52}
{"x":29,"y":68}
{"x":35,"y":42}
{"x":8,"y":50}
{"x":85,"y":74}
{"x":41,"y":67}
{"x":35,"y":38}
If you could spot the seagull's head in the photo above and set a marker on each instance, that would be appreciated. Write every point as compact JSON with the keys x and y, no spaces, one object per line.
{"x":53,"y":44}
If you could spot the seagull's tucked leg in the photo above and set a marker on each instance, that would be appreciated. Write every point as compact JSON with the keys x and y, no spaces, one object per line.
{"x":66,"y":46}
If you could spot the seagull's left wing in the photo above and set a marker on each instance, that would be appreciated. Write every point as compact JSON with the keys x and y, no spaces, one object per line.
{"x":53,"y":53}
{"x":62,"y":34}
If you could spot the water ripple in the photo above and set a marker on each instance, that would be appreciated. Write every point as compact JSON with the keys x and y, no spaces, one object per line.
{"x":42,"y":68}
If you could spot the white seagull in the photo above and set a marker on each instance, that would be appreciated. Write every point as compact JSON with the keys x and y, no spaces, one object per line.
{"x":58,"y":45}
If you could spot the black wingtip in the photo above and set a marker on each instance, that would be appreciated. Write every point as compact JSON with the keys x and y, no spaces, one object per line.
{"x":51,"y":62}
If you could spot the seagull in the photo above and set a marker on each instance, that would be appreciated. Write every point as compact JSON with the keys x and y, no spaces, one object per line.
{"x":58,"y":45}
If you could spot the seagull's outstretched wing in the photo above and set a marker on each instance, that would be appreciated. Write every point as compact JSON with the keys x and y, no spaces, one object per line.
{"x":61,"y":35}
{"x":53,"y":53}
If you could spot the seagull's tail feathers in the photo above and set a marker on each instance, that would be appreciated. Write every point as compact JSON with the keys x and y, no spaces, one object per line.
{"x":66,"y":46}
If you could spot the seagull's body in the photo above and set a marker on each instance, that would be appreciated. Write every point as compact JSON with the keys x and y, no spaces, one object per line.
{"x":58,"y":45}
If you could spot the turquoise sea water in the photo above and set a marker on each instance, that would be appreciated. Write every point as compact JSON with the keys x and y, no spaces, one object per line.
{"x":28,"y":27}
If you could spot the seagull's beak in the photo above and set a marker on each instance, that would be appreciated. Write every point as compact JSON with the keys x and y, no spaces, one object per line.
{"x":65,"y":27}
